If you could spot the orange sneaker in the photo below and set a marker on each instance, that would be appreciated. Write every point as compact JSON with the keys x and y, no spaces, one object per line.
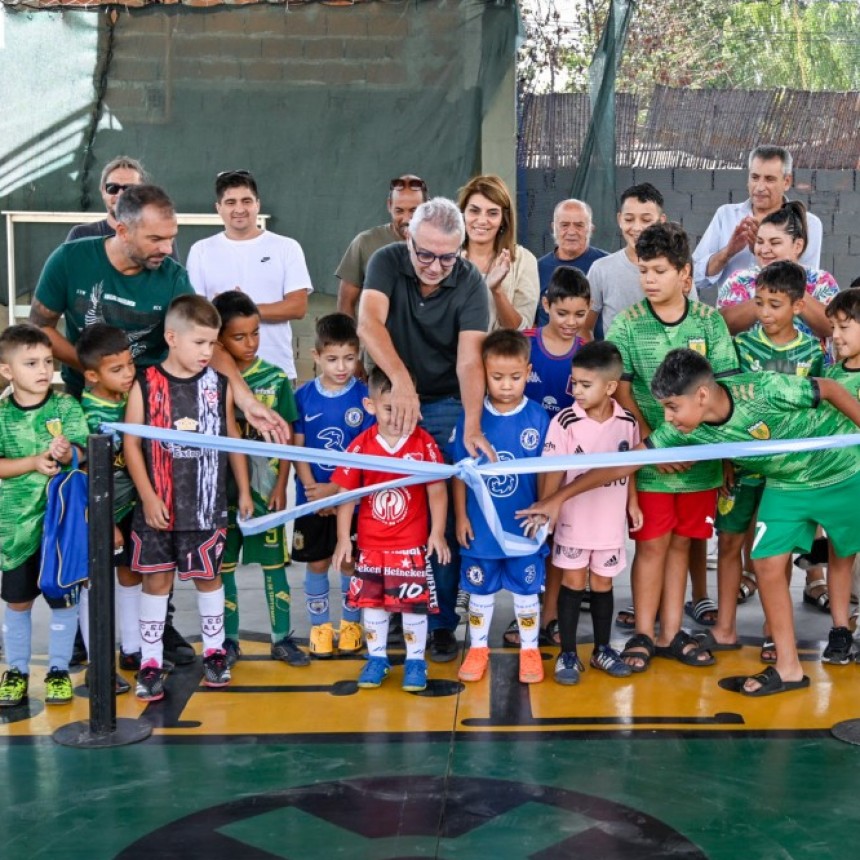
{"x":531,"y":666}
{"x":475,"y":664}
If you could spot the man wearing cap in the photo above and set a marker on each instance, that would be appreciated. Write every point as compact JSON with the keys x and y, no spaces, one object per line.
{"x":405,"y":194}
{"x":270,"y":268}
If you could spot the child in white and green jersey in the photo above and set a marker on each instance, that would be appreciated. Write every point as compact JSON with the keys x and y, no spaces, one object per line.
{"x":678,"y":505}
{"x":773,"y":345}
{"x":38,"y":428}
{"x":802,"y":489}
{"x":240,"y":337}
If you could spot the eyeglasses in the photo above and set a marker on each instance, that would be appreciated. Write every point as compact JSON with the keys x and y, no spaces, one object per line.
{"x":400,"y":184}
{"x":115,"y":187}
{"x":224,"y":173}
{"x":427,"y":258}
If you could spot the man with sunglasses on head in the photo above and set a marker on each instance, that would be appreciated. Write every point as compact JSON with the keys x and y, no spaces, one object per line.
{"x":423,"y":317}
{"x":118,"y":174}
{"x":405,"y":194}
{"x":269,"y":268}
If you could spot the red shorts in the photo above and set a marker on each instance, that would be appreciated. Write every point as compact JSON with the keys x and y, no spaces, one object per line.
{"x":394,"y":580}
{"x":689,"y":515}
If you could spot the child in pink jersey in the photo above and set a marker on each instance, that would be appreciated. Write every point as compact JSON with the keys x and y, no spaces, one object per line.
{"x":588,"y":544}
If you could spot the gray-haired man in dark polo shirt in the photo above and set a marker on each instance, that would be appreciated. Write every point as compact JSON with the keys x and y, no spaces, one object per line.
{"x":424,"y":313}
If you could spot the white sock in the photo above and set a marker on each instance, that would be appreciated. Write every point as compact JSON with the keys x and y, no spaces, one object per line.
{"x":210,"y":605}
{"x":414,"y":635}
{"x":375,"y":623}
{"x":153,"y":612}
{"x":480,"y":617}
{"x":84,"y":616}
{"x":128,"y":613}
{"x":527,"y":609}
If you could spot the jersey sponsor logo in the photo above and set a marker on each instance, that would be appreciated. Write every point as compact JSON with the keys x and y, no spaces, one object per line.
{"x":333,"y":438}
{"x":502,"y":486}
{"x":530,"y":574}
{"x":759,"y":430}
{"x":389,"y":506}
{"x":414,"y":455}
{"x":698,"y":344}
{"x":549,"y":403}
{"x":475,"y":574}
{"x":353,"y":417}
{"x":529,"y":438}
{"x":313,"y":417}
{"x":187,"y":424}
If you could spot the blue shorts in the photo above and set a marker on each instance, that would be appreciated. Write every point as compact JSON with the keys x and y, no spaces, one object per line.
{"x":522,"y":575}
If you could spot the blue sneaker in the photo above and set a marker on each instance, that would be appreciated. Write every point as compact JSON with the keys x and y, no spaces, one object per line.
{"x":609,"y":661}
{"x":415,"y":676}
{"x":375,"y":671}
{"x":567,"y":668}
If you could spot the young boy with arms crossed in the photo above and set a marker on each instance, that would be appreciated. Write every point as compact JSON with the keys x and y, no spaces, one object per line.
{"x":678,"y":502}
{"x":38,"y":428}
{"x":105,"y":357}
{"x":515,"y":426}
{"x":392,"y":571}
{"x":180,"y":522}
{"x":802,"y":489}
{"x":588,"y":544}
{"x":240,"y":338}
{"x":774,"y":345}
{"x":331,"y":415}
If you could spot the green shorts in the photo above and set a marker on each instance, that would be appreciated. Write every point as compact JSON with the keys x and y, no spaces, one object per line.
{"x":736,"y":511}
{"x":787,"y":519}
{"x":268,"y":549}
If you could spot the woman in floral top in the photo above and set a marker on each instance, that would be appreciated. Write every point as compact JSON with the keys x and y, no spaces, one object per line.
{"x":781,"y":235}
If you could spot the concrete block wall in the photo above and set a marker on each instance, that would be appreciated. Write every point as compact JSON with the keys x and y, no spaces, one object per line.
{"x":692,"y":197}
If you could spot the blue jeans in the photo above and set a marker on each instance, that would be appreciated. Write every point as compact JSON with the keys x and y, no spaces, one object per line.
{"x":439,"y":419}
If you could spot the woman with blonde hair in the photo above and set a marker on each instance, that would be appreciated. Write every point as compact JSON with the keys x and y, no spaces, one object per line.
{"x":510,"y":270}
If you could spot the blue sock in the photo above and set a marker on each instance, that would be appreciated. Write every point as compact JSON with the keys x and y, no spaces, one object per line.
{"x":316,"y":597}
{"x":348,"y":614}
{"x":61,"y":639}
{"x":17,"y":629}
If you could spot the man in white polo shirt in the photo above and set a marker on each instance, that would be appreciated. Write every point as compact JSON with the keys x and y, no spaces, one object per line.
{"x":270,"y":268}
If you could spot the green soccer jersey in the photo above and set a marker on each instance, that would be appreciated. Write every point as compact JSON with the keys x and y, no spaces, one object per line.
{"x":99,"y":411}
{"x":80,"y":283}
{"x":25,"y":431}
{"x":776,"y":406}
{"x":644,"y":340}
{"x":271,"y":386}
{"x":800,"y":357}
{"x":846,"y":377}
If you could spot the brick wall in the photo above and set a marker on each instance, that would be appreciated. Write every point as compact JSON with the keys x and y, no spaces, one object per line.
{"x":692,"y":197}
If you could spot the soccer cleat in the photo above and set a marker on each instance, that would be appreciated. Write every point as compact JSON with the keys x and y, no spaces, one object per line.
{"x":216,"y":671}
{"x":840,"y":647}
{"x":321,"y":641}
{"x":474,"y":665}
{"x":415,"y":676}
{"x":150,"y":683}
{"x":567,"y":668}
{"x":233,"y":651}
{"x":58,"y":687}
{"x":609,"y":660}
{"x":288,"y":652}
{"x":13,"y":688}
{"x":531,"y":666}
{"x":349,"y":640}
{"x":176,"y":649}
{"x":375,"y":671}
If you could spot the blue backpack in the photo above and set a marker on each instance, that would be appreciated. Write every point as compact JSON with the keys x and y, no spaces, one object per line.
{"x":65,"y":537}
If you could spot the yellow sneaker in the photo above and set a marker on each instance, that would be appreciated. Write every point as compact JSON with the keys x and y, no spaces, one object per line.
{"x":349,"y":640}
{"x":531,"y":666}
{"x":321,"y":643}
{"x":474,"y":665}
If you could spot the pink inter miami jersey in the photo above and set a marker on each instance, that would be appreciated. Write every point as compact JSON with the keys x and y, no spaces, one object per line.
{"x":392,"y":519}
{"x":596,"y":519}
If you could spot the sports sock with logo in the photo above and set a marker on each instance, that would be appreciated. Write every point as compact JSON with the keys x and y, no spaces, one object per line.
{"x":480,"y":617}
{"x":527,"y":609}
{"x":278,"y":600}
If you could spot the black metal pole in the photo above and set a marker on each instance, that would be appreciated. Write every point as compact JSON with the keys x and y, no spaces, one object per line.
{"x":102,"y":677}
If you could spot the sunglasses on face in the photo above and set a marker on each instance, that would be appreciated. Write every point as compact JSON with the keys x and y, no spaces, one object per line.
{"x":412,"y":184}
{"x":116,"y":187}
{"x":427,"y":258}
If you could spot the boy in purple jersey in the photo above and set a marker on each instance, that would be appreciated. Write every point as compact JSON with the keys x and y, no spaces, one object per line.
{"x":331,"y":414}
